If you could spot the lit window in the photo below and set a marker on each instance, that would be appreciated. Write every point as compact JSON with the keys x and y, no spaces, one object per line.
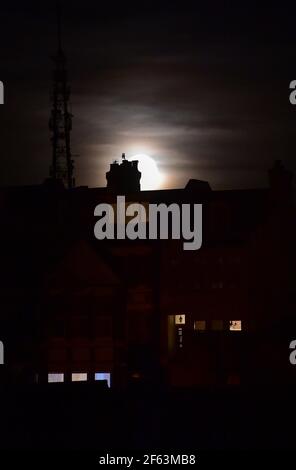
{"x":79,"y":377}
{"x":52,"y":378}
{"x":217,"y":325}
{"x":235,"y":325}
{"x":103,"y":376}
{"x":180,"y":319}
{"x":200,"y":325}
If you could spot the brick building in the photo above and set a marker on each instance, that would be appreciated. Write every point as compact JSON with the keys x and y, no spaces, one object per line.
{"x":78,"y":309}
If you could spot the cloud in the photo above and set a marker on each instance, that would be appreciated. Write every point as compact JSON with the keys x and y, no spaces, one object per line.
{"x":205,"y":99}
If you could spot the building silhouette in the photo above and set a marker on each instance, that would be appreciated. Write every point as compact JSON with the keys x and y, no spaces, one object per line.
{"x":124,"y":177}
{"x":146,"y":311}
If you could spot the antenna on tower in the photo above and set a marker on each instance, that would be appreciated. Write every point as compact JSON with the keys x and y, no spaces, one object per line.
{"x":60,"y":122}
{"x":59,"y":25}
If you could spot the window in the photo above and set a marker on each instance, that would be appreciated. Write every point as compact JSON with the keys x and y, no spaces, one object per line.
{"x":80,"y":354}
{"x":79,"y":377}
{"x":104,"y":376}
{"x":180,"y":319}
{"x":235,"y":325}
{"x":217,"y":325}
{"x":200,"y":325}
{"x":55,"y":377}
{"x":79,"y":325}
{"x":102,"y":326}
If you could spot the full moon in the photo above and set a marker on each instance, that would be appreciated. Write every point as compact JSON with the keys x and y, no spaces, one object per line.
{"x":151,"y":177}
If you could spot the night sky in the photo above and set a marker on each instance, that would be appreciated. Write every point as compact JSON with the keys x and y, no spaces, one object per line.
{"x":204,"y":90}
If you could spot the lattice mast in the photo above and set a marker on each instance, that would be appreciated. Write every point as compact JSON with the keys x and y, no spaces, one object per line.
{"x":60,"y":123}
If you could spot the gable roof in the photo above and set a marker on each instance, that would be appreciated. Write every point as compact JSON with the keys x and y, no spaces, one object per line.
{"x":82,"y":265}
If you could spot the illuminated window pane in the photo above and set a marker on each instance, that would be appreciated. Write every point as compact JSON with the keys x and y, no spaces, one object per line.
{"x":103,"y":376}
{"x":200,"y":325}
{"x":52,"y":378}
{"x":235,"y":325}
{"x":180,"y":319}
{"x":217,"y":325}
{"x":79,"y":377}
